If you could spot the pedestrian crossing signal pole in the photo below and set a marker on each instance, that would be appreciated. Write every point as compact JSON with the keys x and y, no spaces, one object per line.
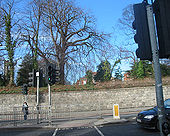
{"x":49,"y":94}
{"x":38,"y":82}
{"x":50,"y":70}
{"x":157,"y":70}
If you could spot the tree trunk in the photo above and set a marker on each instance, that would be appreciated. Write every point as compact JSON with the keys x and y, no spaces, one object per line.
{"x":11,"y":81}
{"x":62,"y":80}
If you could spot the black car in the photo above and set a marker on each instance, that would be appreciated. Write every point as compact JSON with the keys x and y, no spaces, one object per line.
{"x":149,"y":118}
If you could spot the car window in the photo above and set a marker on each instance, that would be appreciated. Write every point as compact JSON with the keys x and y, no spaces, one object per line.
{"x":167,"y":103}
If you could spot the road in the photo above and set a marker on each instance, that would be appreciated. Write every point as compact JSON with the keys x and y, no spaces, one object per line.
{"x":125,"y":129}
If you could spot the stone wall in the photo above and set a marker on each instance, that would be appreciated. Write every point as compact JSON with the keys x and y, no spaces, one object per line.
{"x":88,"y":100}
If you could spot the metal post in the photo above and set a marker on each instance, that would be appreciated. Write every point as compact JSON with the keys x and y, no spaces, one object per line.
{"x":100,"y":111}
{"x":14,"y":115}
{"x":49,"y":115}
{"x":25,"y":98}
{"x":70,"y":111}
{"x":49,"y":94}
{"x":157,"y":70}
{"x":38,"y":82}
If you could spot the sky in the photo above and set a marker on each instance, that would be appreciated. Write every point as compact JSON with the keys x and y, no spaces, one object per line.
{"x":107,"y":13}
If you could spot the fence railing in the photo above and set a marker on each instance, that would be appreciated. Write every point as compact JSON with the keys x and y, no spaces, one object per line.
{"x":47,"y":114}
{"x":51,"y":114}
{"x":16,"y":116}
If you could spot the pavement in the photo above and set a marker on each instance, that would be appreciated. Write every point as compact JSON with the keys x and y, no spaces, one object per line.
{"x":84,"y":122}
{"x":88,"y":119}
{"x":93,"y":122}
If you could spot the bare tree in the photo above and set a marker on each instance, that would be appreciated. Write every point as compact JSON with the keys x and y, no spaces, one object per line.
{"x":128,"y":51}
{"x":72,"y":31}
{"x":31,"y":29}
{"x":2,"y":23}
{"x":126,"y":21}
{"x":69,"y":33}
{"x":127,"y":54}
{"x":10,"y":35}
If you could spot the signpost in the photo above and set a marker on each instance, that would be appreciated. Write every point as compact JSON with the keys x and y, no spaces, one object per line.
{"x":144,"y":18}
{"x":157,"y":70}
{"x":38,"y":82}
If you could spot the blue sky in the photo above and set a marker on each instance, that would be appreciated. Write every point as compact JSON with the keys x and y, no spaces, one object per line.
{"x":107,"y":13}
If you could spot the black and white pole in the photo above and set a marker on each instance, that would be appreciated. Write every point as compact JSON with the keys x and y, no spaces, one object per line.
{"x":25,"y":98}
{"x":38,"y":84}
{"x":157,"y":70}
{"x":49,"y":94}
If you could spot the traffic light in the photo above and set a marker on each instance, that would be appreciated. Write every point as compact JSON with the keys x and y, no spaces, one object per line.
{"x":142,"y":37}
{"x":50,"y":76}
{"x":56,"y":75}
{"x":32,"y":78}
{"x":53,"y":75}
{"x":24,"y":89}
{"x":41,"y":78}
{"x":162,"y":17}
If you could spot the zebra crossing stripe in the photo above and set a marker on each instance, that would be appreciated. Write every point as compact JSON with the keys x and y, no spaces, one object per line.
{"x":55,"y":132}
{"x":101,"y":134}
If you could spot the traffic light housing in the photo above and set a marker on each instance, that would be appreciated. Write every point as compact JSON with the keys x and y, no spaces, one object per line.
{"x":162,"y":17}
{"x":32,"y":78}
{"x":142,"y":37}
{"x":56,"y":75}
{"x":25,"y":89}
{"x":50,"y":71}
{"x":53,"y":75}
{"x":41,"y":78}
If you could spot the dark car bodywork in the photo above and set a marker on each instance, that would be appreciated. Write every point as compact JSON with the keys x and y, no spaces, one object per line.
{"x":149,"y":118}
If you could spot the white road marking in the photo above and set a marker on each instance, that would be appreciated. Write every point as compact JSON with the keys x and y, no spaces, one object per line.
{"x":101,"y":134}
{"x":134,"y":123}
{"x":55,"y":132}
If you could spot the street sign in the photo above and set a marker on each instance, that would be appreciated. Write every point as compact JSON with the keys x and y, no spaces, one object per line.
{"x":37,"y":74}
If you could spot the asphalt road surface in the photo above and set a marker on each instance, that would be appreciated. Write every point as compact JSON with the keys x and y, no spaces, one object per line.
{"x":125,"y":129}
